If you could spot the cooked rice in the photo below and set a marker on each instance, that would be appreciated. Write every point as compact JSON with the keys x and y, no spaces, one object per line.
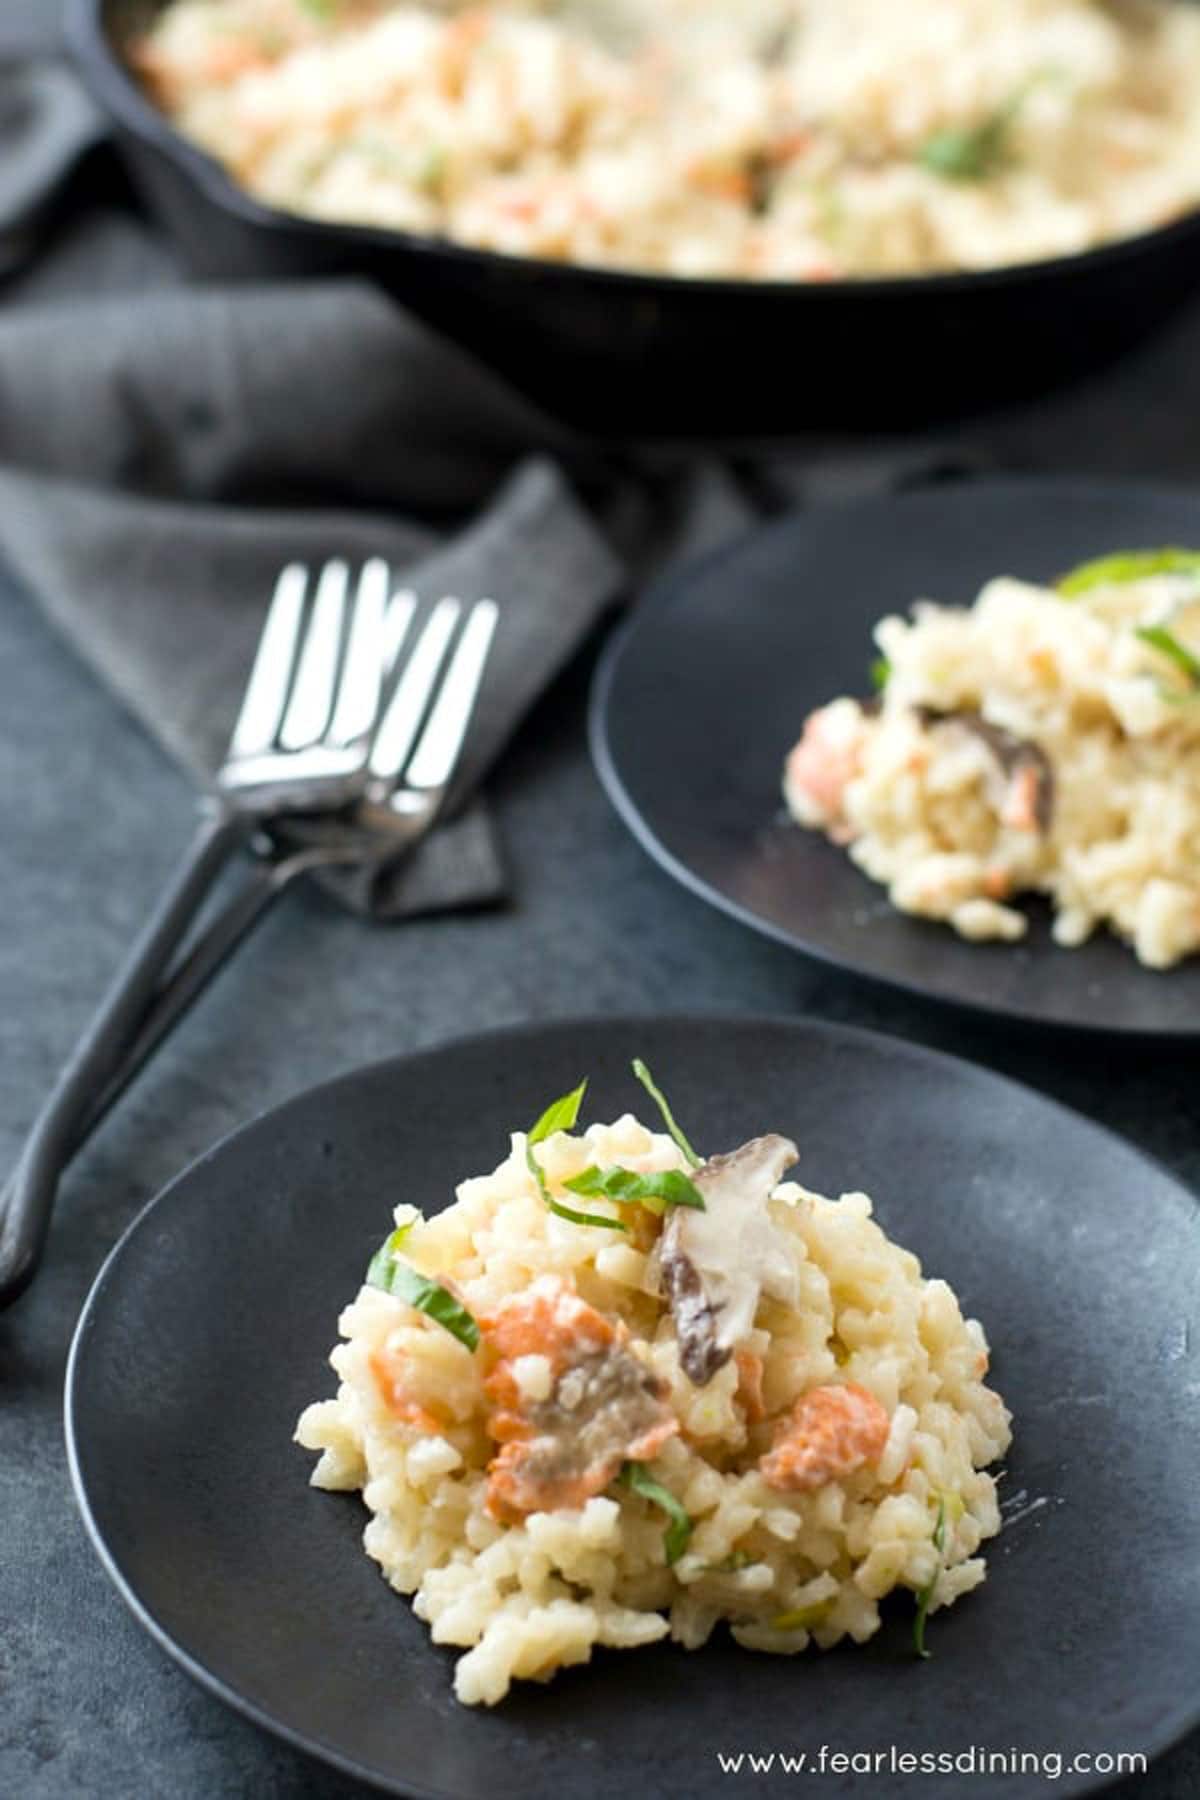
{"x":784,"y":1569}
{"x":929,"y":811}
{"x":792,"y":139}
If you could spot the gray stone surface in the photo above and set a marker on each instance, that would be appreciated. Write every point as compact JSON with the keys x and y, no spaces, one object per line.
{"x":91,"y":816}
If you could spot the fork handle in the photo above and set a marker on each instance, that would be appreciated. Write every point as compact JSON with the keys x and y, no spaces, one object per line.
{"x":29,"y":1199}
{"x":189,"y":978}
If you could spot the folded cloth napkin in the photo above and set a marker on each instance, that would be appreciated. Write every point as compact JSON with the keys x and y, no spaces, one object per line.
{"x":165,"y":447}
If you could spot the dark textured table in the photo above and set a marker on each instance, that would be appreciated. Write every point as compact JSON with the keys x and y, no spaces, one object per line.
{"x":90,"y":819}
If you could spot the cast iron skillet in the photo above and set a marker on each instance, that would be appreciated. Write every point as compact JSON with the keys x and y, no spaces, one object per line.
{"x":701,"y":696}
{"x":209,"y":1326}
{"x":635,"y":355}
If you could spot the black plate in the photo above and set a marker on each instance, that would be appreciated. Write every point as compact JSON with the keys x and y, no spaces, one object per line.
{"x":698,"y":702}
{"x":208,"y":1328}
{"x":632,"y":355}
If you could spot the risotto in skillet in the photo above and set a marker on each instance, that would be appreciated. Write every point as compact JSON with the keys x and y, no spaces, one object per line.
{"x":785,"y":139}
{"x":1043,"y":740}
{"x":616,"y":1393}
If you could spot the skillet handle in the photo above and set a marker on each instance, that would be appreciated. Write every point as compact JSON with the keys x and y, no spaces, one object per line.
{"x":28,"y":1201}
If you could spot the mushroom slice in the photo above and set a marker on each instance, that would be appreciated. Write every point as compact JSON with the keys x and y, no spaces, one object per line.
{"x":1026,"y":768}
{"x":717,"y":1262}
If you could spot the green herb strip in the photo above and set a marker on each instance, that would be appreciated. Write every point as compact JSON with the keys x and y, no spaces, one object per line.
{"x":972,"y":152}
{"x":561,"y":1115}
{"x":387,"y":1271}
{"x":1167,"y":644}
{"x":678,"y":1533}
{"x":881,"y":672}
{"x":669,"y":1185}
{"x":965,"y":155}
{"x":660,"y":1100}
{"x":379,"y":1269}
{"x":1127,"y":565}
{"x":969,"y":153}
{"x":600,"y":1220}
{"x":925,"y":1597}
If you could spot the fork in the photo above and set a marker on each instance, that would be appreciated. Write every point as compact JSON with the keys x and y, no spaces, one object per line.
{"x":410,"y":777}
{"x":314,"y":766}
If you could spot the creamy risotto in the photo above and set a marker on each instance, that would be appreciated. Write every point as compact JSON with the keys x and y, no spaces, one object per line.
{"x":793,"y":139}
{"x":1044,"y":740}
{"x":615,"y":1393}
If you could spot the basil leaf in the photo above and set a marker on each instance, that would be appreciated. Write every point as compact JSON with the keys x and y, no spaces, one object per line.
{"x":964,"y":154}
{"x":660,"y":1100}
{"x":925,"y":1597}
{"x":972,"y":152}
{"x":669,"y":1185}
{"x":379,"y":1269}
{"x":677,"y":1536}
{"x":600,"y":1220}
{"x":1127,"y":565}
{"x":881,"y":670}
{"x":1167,"y":644}
{"x":394,"y":1276}
{"x":560,"y":1115}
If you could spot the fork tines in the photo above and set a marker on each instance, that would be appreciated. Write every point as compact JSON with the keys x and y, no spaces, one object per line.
{"x":424,"y":723}
{"x":324,"y":661}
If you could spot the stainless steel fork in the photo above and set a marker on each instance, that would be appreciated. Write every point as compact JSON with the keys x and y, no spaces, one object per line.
{"x":412,"y":765}
{"x":312,"y":773}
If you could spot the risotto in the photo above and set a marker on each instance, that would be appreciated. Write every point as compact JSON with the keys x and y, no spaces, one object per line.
{"x":614,"y":1393}
{"x":1043,"y":740}
{"x":790,"y":139}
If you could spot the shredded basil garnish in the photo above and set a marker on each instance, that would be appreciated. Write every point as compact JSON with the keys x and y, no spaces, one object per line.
{"x":387,"y":1271}
{"x":1127,"y":565}
{"x":966,"y":154}
{"x":379,"y":1269}
{"x":1167,"y":644}
{"x":972,"y":152}
{"x":561,"y":1115}
{"x":925,"y":1597}
{"x":669,"y":1185}
{"x":678,"y":1533}
{"x":660,"y":1100}
{"x":580,"y":1218}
